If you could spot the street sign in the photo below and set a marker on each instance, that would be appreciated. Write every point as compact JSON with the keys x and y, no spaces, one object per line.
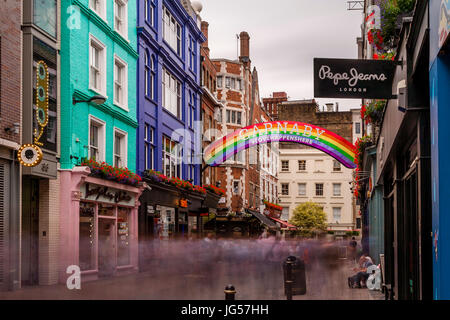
{"x":353,"y":78}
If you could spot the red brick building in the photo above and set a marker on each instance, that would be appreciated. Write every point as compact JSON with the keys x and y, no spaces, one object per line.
{"x":211,"y":106}
{"x":271,"y":104}
{"x":10,"y":139}
{"x":241,"y":177}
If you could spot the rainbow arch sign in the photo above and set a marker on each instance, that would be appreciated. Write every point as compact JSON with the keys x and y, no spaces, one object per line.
{"x":285,"y":131}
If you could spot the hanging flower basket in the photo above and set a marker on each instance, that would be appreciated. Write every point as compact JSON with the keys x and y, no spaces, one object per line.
{"x":108,"y":172}
{"x":215,"y":190}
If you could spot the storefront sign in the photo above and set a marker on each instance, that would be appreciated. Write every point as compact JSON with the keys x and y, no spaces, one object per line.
{"x":99,"y":193}
{"x":353,"y":78}
{"x":183,"y":203}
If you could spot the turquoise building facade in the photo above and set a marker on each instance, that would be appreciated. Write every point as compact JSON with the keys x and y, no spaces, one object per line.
{"x":98,"y":57}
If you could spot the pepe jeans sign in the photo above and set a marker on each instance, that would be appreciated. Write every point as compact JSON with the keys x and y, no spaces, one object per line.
{"x":358,"y":79}
{"x":105,"y":194}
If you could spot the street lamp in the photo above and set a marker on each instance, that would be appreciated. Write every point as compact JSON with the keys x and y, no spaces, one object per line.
{"x":95,"y":99}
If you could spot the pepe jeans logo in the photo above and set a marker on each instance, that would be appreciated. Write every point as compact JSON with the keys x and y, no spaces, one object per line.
{"x":352,"y":77}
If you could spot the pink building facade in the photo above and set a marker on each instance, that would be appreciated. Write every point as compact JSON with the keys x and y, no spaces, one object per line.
{"x":98,"y":226}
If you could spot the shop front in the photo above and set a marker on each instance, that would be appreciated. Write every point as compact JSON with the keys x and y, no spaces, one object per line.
{"x":167,"y":212}
{"x":98,"y":226}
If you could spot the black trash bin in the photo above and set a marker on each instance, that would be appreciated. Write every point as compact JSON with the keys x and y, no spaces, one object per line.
{"x":298,"y":276}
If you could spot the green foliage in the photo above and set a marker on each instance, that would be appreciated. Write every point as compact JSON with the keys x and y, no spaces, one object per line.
{"x":391,"y":9}
{"x":309,"y":218}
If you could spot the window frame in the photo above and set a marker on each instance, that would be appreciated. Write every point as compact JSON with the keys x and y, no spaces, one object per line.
{"x":303,"y":162}
{"x":124,"y":69}
{"x":149,"y":147}
{"x":179,"y":112}
{"x":173,"y":33}
{"x":301,"y":184}
{"x":101,"y":148}
{"x":124,"y":4}
{"x":123,"y":148}
{"x":102,"y":68}
{"x":340,"y":190}
{"x":102,"y":12}
{"x":316,"y":189}
{"x":284,"y":169}
{"x":283,"y":189}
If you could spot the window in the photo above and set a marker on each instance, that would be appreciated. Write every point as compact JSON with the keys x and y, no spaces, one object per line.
{"x":44,"y":16}
{"x":123,"y":236}
{"x":190,"y":166}
{"x":236,"y":186}
{"x":149,"y":147}
{"x":172,"y":153}
{"x":319,"y":189}
{"x":302,"y":189}
{"x":219,"y":82}
{"x":233,"y":83}
{"x":149,"y":11}
{"x":96,"y":140}
{"x":99,"y":6}
{"x":357,"y":127}
{"x":285,"y":189}
{"x":336,"y":166}
{"x":285,"y":165}
{"x":285,"y":214}
{"x":87,"y":256}
{"x":171,"y":94}
{"x":239,"y":157}
{"x":120,"y":83}
{"x":227,"y":82}
{"x":239,"y":84}
{"x":192,"y":53}
{"x":301,"y":165}
{"x":336,"y":189}
{"x":97,"y":66}
{"x":190,"y":115}
{"x":318,"y":165}
{"x":120,"y":148}
{"x":171,"y":31}
{"x":149,"y":76}
{"x":234,"y":117}
{"x":337,"y":215}
{"x":121,"y":17}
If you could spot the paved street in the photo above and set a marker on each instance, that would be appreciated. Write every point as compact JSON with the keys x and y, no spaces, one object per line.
{"x":251,"y":282}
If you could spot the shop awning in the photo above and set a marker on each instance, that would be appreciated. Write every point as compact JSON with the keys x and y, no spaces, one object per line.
{"x":284,"y":223}
{"x":263,"y":219}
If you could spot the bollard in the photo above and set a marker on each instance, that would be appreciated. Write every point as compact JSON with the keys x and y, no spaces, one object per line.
{"x":230,"y":292}
{"x":289,"y":261}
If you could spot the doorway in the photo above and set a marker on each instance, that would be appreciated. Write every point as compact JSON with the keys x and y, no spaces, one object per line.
{"x":106,"y":247}
{"x":30,"y":231}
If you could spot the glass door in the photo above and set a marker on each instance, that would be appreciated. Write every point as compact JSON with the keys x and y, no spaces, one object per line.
{"x":106,"y":246}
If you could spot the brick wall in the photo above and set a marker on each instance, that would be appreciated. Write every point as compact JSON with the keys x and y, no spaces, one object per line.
{"x":48,"y":225}
{"x":10,"y":67}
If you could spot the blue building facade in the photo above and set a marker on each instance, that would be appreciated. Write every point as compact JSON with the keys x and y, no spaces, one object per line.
{"x":168,"y":88}
{"x":440,"y":152}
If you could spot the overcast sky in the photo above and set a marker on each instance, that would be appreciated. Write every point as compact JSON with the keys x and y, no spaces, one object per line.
{"x":285,"y":36}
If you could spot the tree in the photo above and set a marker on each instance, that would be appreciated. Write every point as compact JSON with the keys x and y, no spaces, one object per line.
{"x":309,"y":218}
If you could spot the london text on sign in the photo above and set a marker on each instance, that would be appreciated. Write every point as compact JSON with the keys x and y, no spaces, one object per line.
{"x":353,"y":78}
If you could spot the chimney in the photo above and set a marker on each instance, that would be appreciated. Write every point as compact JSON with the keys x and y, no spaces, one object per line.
{"x":205,"y":26}
{"x":245,"y":47}
{"x":329,"y":107}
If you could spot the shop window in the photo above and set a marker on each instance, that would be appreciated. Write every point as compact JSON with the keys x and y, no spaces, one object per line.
{"x":123,"y":236}
{"x":106,"y":210}
{"x":87,"y":236}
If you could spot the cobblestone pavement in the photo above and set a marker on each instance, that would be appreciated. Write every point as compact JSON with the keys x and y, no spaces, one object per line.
{"x":252,"y":282}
